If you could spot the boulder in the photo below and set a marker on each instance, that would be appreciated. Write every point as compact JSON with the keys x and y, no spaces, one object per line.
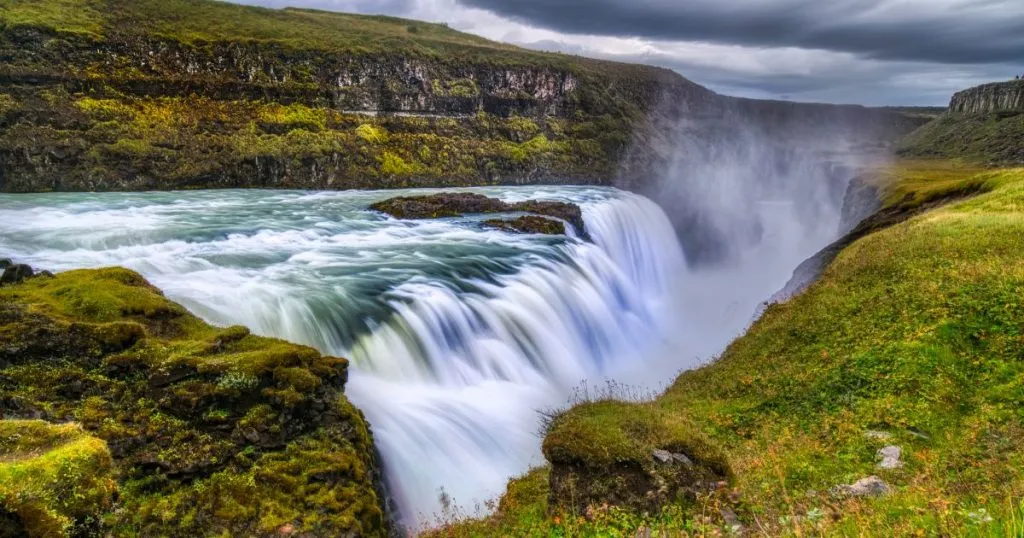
{"x":15,"y":273}
{"x":630,"y":455}
{"x":456,"y":204}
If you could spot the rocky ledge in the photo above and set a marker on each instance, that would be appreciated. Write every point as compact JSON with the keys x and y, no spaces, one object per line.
{"x":145,"y":421}
{"x":456,"y":204}
{"x":529,"y":224}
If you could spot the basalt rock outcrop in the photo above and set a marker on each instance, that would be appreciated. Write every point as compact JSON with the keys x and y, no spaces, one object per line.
{"x":989,"y":98}
{"x":185,"y":429}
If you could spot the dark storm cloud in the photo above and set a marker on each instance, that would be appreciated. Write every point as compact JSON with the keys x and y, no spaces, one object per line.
{"x":839,"y":79}
{"x":946,"y":31}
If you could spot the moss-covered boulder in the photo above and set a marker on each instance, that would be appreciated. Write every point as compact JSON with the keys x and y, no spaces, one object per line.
{"x":54,"y":479}
{"x":529,"y":225}
{"x":434,"y":206}
{"x":631,"y":455}
{"x":212,"y":431}
{"x":455,"y":204}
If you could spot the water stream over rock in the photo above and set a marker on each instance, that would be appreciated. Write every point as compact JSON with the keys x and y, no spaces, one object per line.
{"x":458,"y":333}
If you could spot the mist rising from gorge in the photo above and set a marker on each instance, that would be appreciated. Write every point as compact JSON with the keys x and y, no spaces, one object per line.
{"x":753,"y":189}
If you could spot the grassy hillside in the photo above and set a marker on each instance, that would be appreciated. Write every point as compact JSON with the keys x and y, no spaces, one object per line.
{"x":913,"y":337}
{"x":990,"y":138}
{"x":166,"y":94}
{"x":199,"y":22}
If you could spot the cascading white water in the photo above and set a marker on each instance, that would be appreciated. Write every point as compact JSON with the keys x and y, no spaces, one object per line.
{"x":458,"y":334}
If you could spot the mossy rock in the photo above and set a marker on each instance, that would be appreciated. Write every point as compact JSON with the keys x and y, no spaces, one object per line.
{"x":455,"y":204}
{"x":55,"y":480}
{"x":212,"y":431}
{"x":440,"y":205}
{"x":528,"y":225}
{"x":631,"y":455}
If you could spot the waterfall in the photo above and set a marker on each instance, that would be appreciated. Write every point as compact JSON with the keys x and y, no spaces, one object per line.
{"x":458,"y":334}
{"x":466,"y":371}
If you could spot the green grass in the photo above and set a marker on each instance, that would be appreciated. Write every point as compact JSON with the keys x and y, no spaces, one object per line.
{"x":200,"y":22}
{"x":991,"y":139}
{"x":916,"y":330}
{"x":72,"y":16}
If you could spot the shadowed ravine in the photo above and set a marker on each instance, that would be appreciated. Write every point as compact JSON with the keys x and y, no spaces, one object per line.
{"x":458,"y":333}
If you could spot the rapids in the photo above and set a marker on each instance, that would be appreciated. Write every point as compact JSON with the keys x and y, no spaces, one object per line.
{"x":458,"y":334}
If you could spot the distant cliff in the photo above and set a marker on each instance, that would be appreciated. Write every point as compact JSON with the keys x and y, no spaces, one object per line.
{"x":148,"y":94}
{"x":997,"y":97}
{"x":984,"y":125}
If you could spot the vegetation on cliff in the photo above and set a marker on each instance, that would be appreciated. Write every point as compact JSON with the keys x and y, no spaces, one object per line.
{"x":207,"y":431}
{"x":135,"y":95}
{"x":131,"y":95}
{"x":992,"y":138}
{"x":983,"y":125}
{"x":910,"y":342}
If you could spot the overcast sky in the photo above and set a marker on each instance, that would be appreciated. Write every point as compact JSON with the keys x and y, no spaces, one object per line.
{"x":872,"y":52}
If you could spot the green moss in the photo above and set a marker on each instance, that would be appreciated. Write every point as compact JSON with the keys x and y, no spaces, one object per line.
{"x":213,"y":431}
{"x":393,"y":165}
{"x":295,"y":116}
{"x":608,"y":432}
{"x":7,"y":103}
{"x":55,"y":479}
{"x":372,"y":134}
{"x":104,"y":295}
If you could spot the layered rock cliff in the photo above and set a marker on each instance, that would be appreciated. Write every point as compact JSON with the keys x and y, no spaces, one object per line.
{"x":131,"y":95}
{"x":996,"y":97}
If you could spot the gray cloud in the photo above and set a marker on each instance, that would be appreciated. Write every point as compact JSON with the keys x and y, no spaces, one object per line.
{"x":840,"y":79}
{"x":946,"y":31}
{"x":872,"y":52}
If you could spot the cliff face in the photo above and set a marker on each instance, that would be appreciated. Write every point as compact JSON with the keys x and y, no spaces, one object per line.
{"x":997,"y":97}
{"x":131,"y":95}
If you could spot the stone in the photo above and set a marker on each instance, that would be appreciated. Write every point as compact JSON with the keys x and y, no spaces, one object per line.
{"x":890,"y":456}
{"x":662,"y":456}
{"x":15,"y":274}
{"x":731,"y":518}
{"x":871,"y":486}
{"x":682,"y":458}
{"x":877,"y":435}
